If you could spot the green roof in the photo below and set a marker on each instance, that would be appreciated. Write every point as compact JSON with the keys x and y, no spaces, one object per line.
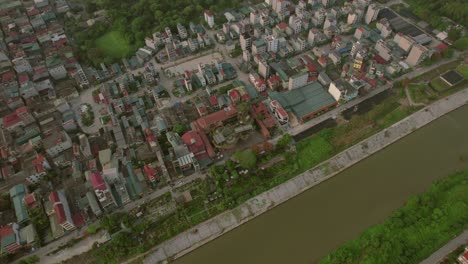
{"x":8,"y":240}
{"x":17,"y":194}
{"x":132,"y":181}
{"x":305,"y":100}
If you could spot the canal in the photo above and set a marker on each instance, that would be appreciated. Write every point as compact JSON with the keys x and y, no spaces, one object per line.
{"x":307,"y":227}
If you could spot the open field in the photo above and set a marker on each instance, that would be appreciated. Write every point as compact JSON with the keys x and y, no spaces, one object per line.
{"x":439,"y":85}
{"x":114,"y":45}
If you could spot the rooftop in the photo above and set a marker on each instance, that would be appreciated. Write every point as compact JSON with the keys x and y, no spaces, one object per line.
{"x":305,"y":100}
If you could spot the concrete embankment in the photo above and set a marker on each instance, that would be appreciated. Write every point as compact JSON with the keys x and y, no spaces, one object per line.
{"x":217,"y":226}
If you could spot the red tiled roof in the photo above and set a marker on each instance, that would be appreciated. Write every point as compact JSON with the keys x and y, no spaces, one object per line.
{"x":282,"y":112}
{"x":282,"y":25}
{"x":30,"y":200}
{"x":23,"y":77}
{"x":60,"y":213}
{"x":10,"y":120}
{"x":194,"y":142}
{"x":54,"y":197}
{"x":78,"y":220}
{"x":274,"y":79}
{"x":6,"y":230}
{"x":311,"y":68}
{"x":214,"y":100}
{"x":206,"y":141}
{"x":322,"y":60}
{"x":38,"y":163}
{"x":234,"y":94}
{"x":149,"y":135}
{"x":441,"y":47}
{"x":215,"y":118}
{"x":97,"y":181}
{"x":150,"y":172}
{"x":21,"y":110}
{"x":379,"y":59}
{"x":208,"y":13}
{"x":8,"y":76}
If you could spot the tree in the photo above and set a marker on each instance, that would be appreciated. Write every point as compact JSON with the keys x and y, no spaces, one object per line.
{"x":179,"y":128}
{"x":284,"y":141}
{"x":454,"y":34}
{"x":247,"y":158}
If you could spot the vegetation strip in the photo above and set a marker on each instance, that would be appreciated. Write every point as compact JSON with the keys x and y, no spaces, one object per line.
{"x":413,"y":232}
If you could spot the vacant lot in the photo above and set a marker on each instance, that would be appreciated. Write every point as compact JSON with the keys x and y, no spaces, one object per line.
{"x":114,"y":45}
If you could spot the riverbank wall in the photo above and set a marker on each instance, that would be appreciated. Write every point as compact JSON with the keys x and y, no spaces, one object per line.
{"x":223,"y":223}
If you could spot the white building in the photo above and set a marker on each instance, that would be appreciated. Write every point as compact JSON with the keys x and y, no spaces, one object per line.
{"x":372,"y":12}
{"x":272,"y":43}
{"x":209,"y":18}
{"x":298,"y":80}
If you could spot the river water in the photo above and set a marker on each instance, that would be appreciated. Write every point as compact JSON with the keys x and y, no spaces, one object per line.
{"x":307,"y":227}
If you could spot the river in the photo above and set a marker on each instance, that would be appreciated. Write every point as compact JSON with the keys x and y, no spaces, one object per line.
{"x":307,"y":227}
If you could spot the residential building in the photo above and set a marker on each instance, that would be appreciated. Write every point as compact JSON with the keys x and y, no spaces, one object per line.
{"x":245,"y":41}
{"x":56,"y":142}
{"x":272,"y":43}
{"x":21,"y":65}
{"x":216,"y":119}
{"x":182,"y":31}
{"x":305,"y":102}
{"x":10,"y":239}
{"x":327,"y":3}
{"x":298,"y":80}
{"x":258,"y":47}
{"x":382,"y":50}
{"x":372,"y":12}
{"x":62,"y":210}
{"x":361,"y":33}
{"x":263,"y":69}
{"x":56,"y":67}
{"x":170,"y":51}
{"x":40,"y":167}
{"x":209,"y":18}
{"x":384,"y":26}
{"x":417,"y":54}
{"x":341,"y":91}
{"x":17,"y":194}
{"x":404,"y":42}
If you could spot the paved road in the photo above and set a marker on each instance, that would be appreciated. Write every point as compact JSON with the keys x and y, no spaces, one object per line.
{"x":437,"y":256}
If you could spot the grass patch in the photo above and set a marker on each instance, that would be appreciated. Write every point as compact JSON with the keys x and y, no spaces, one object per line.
{"x":439,"y":85}
{"x":114,"y":45}
{"x":463,"y":69}
{"x":418,"y":92}
{"x":423,"y":225}
{"x":436,"y":72}
{"x":312,"y":152}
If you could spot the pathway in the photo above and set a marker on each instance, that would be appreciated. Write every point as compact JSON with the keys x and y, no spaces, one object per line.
{"x":437,"y":256}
